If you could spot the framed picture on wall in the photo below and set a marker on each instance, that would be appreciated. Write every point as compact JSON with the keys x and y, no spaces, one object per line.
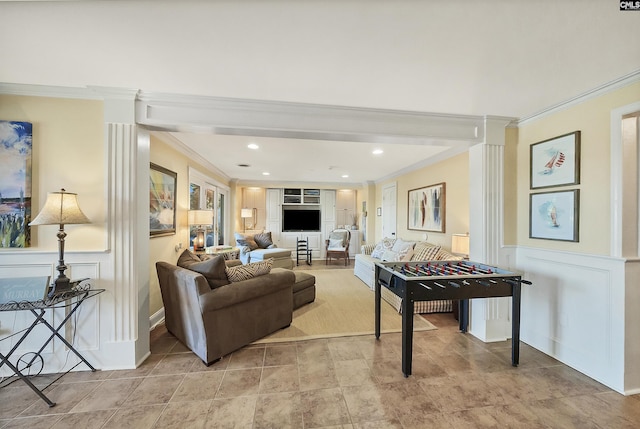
{"x":426,"y":210}
{"x":15,"y":183}
{"x":162,"y":201}
{"x":554,"y":215}
{"x":555,"y":162}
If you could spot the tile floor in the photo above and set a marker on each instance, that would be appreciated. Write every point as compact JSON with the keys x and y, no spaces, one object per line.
{"x":457,"y":382}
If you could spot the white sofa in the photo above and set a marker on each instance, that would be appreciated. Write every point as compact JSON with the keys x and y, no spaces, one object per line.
{"x":260,"y":247}
{"x":384,"y":251}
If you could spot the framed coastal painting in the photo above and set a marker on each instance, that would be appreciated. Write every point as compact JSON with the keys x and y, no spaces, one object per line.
{"x":15,"y":183}
{"x":426,"y":210}
{"x":162,"y":201}
{"x":554,"y":215}
{"x":555,"y":162}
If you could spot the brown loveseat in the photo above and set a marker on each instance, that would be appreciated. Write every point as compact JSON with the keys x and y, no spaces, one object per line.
{"x":215,"y":321}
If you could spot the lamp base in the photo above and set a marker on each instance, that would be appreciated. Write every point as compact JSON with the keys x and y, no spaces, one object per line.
{"x":60,"y":285}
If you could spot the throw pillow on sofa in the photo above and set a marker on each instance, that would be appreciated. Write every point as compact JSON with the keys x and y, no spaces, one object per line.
{"x":212,"y":269}
{"x":249,"y":271}
{"x":385,"y":244}
{"x":246,"y":240}
{"x":263,"y":240}
{"x":425,"y":252}
{"x":401,"y":248}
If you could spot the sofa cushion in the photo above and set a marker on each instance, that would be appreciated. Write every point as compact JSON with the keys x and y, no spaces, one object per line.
{"x":335,"y":244}
{"x":401,"y":248}
{"x":425,"y":252}
{"x":212,"y":269}
{"x":246,"y":240}
{"x":249,"y":271}
{"x":263,"y":240}
{"x":384,"y":244}
{"x":187,"y":257}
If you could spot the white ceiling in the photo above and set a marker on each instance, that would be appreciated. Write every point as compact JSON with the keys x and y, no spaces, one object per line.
{"x":306,"y":161}
{"x":492,"y":57}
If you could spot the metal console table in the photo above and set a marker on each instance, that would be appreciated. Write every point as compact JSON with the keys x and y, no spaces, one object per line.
{"x":72,"y":300}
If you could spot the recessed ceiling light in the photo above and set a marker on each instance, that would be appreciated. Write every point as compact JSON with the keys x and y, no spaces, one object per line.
{"x":378,"y":152}
{"x":253,"y":146}
{"x":266,"y":173}
{"x":344,"y":176}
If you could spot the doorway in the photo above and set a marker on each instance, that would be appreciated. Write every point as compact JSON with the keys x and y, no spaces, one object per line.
{"x":389,"y":207}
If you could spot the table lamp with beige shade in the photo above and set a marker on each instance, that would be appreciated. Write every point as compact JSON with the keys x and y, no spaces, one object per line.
{"x":60,"y":208}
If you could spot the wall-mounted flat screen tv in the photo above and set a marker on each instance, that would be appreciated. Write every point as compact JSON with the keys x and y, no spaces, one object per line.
{"x":300,"y":220}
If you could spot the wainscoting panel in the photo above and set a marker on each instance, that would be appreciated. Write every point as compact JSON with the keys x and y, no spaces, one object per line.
{"x":574,"y":311}
{"x":83,"y":329}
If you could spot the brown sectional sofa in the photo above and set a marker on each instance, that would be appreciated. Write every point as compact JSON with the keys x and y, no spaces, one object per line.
{"x":215,"y":321}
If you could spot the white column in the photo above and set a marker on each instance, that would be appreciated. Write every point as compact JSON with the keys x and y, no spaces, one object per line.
{"x":489,"y":318}
{"x":126,"y":317}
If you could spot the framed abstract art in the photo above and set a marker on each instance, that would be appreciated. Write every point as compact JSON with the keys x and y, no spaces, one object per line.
{"x":426,"y":210}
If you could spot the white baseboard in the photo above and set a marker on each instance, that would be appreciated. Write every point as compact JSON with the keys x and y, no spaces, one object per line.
{"x":156,"y":319}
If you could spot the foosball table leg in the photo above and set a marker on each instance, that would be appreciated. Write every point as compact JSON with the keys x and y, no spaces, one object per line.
{"x":463,"y":314}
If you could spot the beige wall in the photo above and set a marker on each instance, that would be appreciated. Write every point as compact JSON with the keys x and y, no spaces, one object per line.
{"x":163,"y":248}
{"x":68,"y":152}
{"x":593,"y":119}
{"x":455,"y":173}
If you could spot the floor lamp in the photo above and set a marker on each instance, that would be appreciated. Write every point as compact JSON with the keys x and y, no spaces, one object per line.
{"x":61,"y":208}
{"x":244,"y":214}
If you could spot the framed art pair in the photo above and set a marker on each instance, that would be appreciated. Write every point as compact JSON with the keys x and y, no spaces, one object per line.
{"x":554,"y":215}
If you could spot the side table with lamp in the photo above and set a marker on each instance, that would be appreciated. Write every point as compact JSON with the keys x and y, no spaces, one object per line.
{"x":200,"y":219}
{"x":18,"y":294}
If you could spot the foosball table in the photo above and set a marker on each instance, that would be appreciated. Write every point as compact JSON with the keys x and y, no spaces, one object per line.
{"x":454,"y":280}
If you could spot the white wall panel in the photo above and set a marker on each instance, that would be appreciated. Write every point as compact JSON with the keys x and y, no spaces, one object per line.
{"x":574,"y":311}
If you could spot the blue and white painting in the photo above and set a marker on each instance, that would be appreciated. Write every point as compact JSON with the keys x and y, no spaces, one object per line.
{"x":15,"y":183}
{"x":426,"y":208}
{"x":554,"y":215}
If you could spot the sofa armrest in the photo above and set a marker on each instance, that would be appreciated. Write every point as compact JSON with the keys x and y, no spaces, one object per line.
{"x":367,"y":249}
{"x":245,"y":290}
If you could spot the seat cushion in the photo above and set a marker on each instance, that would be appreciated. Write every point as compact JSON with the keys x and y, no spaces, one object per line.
{"x":303,"y":280}
{"x":304,"y":289}
{"x":262,"y":254}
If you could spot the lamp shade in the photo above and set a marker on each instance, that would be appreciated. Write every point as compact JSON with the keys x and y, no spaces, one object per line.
{"x":246,"y":213}
{"x":460,"y":244}
{"x":61,"y":208}
{"x":200,"y":217}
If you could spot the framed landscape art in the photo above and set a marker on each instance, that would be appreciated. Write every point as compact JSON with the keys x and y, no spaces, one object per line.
{"x":555,"y":162}
{"x":426,"y":210}
{"x":554,"y":215}
{"x":15,"y":183}
{"x":162,"y":199}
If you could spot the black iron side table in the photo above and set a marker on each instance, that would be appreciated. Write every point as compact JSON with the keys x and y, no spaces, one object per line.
{"x":72,"y":300}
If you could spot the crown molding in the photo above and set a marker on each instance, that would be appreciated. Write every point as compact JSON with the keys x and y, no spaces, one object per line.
{"x":171,"y":141}
{"x":606,"y":88}
{"x":30,"y":90}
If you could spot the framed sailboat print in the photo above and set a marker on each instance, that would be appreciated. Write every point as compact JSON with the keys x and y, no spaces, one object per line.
{"x":556,"y":162}
{"x":554,"y":215}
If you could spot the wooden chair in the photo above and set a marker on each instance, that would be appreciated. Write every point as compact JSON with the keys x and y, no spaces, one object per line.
{"x":337,"y":246}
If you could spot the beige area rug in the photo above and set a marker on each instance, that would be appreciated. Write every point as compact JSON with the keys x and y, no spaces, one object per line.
{"x":344,"y":306}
